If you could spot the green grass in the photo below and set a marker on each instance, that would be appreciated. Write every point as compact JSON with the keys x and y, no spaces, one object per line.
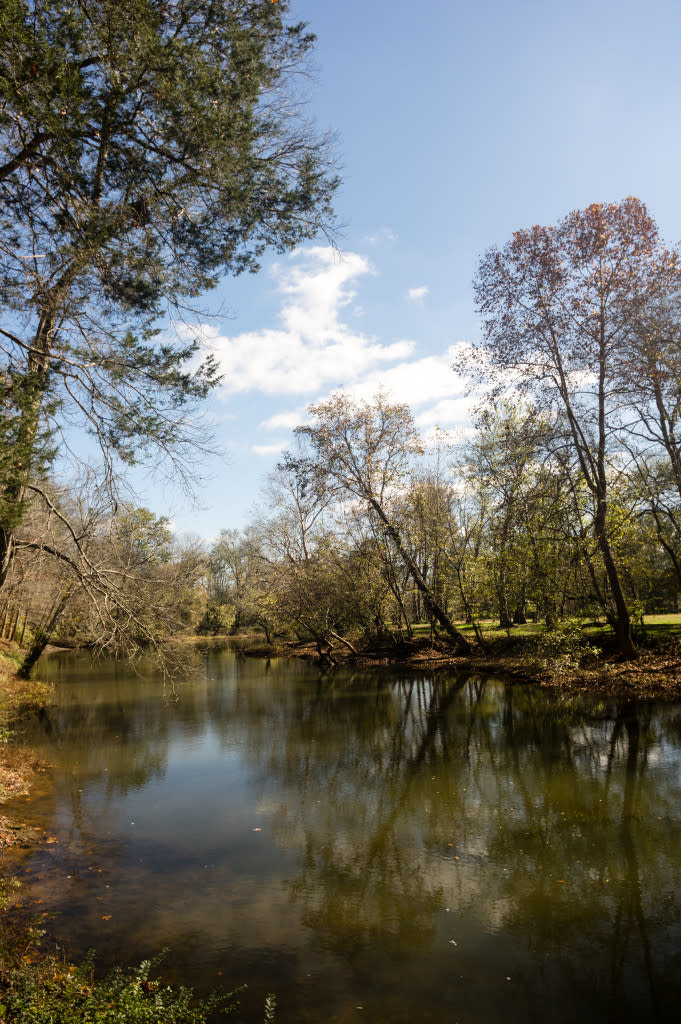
{"x":657,"y":632}
{"x":664,"y":623}
{"x":670,"y":622}
{"x":490,"y":629}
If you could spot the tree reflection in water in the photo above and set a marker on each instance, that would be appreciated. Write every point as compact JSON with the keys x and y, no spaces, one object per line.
{"x":526,"y":813}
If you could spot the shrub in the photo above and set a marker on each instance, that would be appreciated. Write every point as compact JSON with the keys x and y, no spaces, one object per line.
{"x":50,"y":991}
{"x":562,"y":648}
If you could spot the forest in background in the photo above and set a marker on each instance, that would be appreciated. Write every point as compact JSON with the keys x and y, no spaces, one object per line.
{"x":498,"y":526}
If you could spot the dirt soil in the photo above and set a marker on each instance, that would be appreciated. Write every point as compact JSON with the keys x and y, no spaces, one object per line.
{"x":19,"y":769}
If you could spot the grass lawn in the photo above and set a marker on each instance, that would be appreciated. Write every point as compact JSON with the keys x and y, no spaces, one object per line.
{"x":656,"y":628}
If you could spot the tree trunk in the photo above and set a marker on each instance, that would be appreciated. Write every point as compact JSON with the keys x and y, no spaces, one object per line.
{"x":342,"y":640}
{"x":43,"y":635}
{"x":622,"y":624}
{"x":438,"y":611}
{"x":6,"y":550}
{"x":11,"y":633}
{"x":13,"y":486}
{"x":505,"y":621}
{"x":31,"y":395}
{"x":400,"y":605}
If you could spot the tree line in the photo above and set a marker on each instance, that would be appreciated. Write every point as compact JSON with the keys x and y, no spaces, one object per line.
{"x":501,"y":526}
{"x":564,"y":498}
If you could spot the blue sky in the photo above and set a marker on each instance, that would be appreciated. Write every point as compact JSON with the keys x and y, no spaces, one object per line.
{"x":457,"y":123}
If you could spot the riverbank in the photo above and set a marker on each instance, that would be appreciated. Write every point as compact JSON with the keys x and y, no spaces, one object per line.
{"x":654,"y":675}
{"x":19,"y":765}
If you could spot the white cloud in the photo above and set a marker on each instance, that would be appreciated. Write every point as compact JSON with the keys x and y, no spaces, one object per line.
{"x":446,"y":413}
{"x":418,"y":294}
{"x":416,"y":382}
{"x":284,"y":420}
{"x":435,"y":394}
{"x":382,"y":235}
{"x":316,"y":350}
{"x":313,"y":348}
{"x":269,"y":449}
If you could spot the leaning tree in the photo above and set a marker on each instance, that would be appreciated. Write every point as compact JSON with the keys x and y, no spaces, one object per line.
{"x":363,"y":451}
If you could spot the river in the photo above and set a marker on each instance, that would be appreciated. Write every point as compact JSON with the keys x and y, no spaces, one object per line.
{"x":383,"y":845}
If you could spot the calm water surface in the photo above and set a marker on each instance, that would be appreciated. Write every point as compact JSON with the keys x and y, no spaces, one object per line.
{"x":379,"y":846}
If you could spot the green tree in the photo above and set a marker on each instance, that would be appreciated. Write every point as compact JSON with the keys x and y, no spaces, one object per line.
{"x":306,"y":558}
{"x":147,"y":148}
{"x":233,"y":565}
{"x":654,"y":373}
{"x":510,"y":465}
{"x":426,"y":530}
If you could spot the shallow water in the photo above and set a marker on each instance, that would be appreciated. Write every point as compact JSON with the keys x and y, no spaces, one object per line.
{"x":382,"y":845}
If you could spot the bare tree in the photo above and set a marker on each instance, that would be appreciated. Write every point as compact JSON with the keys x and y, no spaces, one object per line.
{"x":365,"y":451}
{"x":111,"y":570}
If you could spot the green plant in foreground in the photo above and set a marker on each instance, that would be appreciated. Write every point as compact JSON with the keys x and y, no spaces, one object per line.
{"x":8,"y":887}
{"x":270,"y":1007}
{"x":51,"y":992}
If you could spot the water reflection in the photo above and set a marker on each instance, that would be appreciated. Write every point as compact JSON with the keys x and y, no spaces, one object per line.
{"x":424,"y":846}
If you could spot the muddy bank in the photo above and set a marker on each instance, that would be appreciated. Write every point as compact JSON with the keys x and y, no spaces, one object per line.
{"x":653,"y":675}
{"x":20,"y":769}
